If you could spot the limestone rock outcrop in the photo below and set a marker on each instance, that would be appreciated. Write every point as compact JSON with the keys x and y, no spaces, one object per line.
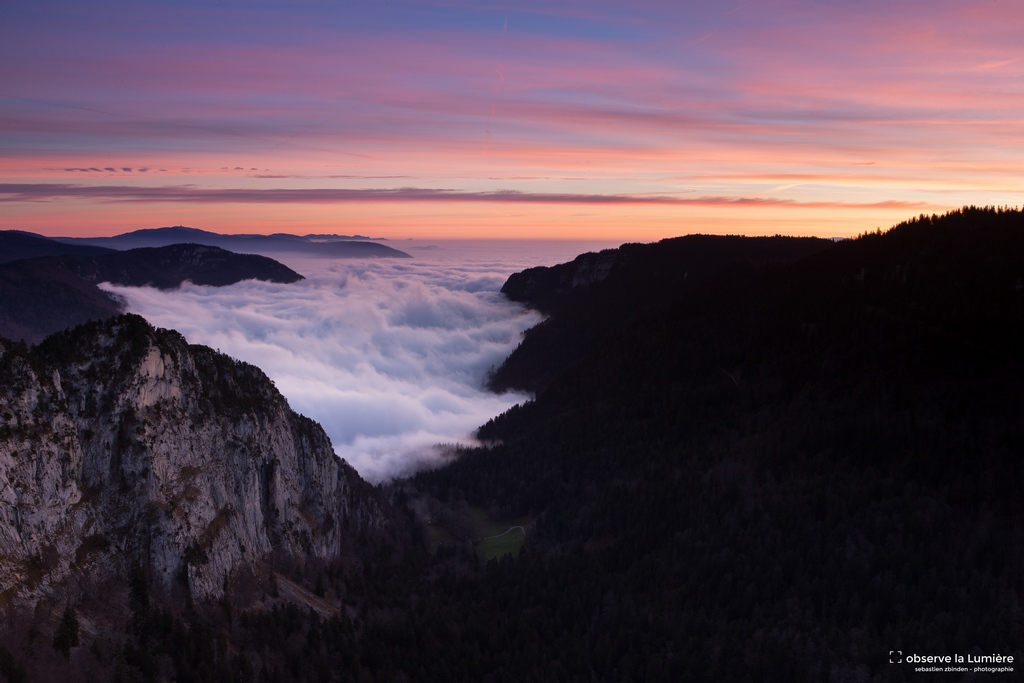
{"x":122,"y":444}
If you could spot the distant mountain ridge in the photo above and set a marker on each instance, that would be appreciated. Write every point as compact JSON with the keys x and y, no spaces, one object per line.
{"x":167,"y":267}
{"x":17,"y":244}
{"x":40,"y":296}
{"x":311,"y":245}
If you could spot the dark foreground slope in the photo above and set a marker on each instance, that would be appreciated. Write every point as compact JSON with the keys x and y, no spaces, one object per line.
{"x":40,"y":296}
{"x":598,"y":294}
{"x":785,"y":477}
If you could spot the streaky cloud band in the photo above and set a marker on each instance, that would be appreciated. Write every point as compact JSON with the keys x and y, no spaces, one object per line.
{"x":26,"y":192}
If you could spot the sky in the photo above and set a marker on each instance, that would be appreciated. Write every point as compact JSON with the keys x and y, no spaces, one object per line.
{"x":565,"y":119}
{"x":390,"y":356}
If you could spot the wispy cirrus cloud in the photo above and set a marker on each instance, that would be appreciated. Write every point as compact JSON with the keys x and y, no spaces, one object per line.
{"x":339,"y":176}
{"x":12,"y":192}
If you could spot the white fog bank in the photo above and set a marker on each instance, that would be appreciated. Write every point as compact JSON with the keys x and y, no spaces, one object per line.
{"x":389,"y":355}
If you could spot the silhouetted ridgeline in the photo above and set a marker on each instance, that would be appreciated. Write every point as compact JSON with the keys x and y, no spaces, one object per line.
{"x":328,"y":246}
{"x":597,"y":294}
{"x":167,"y":267}
{"x":16,"y":245}
{"x":42,"y":295}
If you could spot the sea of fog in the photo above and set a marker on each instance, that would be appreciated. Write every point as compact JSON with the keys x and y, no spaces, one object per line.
{"x":389,"y":355}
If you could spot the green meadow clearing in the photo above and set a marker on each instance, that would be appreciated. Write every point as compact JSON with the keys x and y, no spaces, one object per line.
{"x":492,"y":539}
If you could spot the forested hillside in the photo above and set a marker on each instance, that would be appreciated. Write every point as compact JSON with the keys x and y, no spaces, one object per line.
{"x":596,"y":295}
{"x":784,"y":477}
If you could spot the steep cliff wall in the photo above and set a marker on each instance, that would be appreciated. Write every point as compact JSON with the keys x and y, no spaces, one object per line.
{"x":120,"y":443}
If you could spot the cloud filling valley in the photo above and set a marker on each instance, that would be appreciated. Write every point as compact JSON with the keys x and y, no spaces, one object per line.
{"x":389,"y":355}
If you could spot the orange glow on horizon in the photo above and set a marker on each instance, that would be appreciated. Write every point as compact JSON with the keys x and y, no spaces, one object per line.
{"x":459,"y":221}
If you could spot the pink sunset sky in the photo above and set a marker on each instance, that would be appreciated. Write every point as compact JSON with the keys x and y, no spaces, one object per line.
{"x":573,"y":120}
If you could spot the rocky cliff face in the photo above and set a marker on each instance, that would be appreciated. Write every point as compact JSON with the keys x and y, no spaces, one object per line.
{"x":121,"y":443}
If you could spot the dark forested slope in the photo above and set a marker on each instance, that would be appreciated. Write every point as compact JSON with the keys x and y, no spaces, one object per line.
{"x":784,"y":476}
{"x":598,"y":294}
